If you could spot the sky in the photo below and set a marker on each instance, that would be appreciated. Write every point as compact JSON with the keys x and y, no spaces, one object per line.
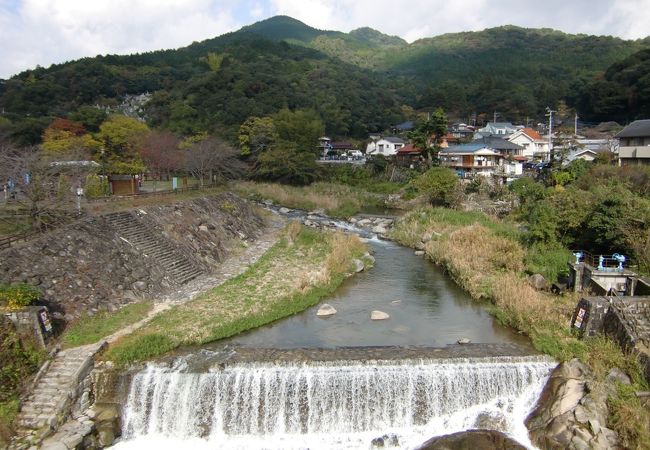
{"x":44,"y":32}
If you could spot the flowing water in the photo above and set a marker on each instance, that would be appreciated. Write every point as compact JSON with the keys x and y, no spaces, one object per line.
{"x":206,"y":400}
{"x":325,"y":405}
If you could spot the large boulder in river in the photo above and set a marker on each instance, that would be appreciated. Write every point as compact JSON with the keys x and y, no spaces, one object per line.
{"x":326,"y":310}
{"x":473,"y":439}
{"x":358,"y":265}
{"x":572,"y":411}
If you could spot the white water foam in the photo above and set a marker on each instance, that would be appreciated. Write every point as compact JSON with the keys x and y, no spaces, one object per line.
{"x":316,"y":405}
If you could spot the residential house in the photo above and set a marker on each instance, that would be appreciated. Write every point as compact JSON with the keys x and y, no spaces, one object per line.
{"x":462,"y":131}
{"x":634,"y":144}
{"x":534,"y":146}
{"x":403,"y":127}
{"x":387,"y":146}
{"x":496,"y":128}
{"x":409,"y":156}
{"x":509,"y":150}
{"x":470,"y":160}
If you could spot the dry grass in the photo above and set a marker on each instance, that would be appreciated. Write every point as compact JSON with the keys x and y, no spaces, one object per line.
{"x":485,"y":258}
{"x":342,"y":246}
{"x":334,"y":199}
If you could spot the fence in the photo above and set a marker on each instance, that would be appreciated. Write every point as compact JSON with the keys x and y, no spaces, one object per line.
{"x":608,"y":263}
{"x":113,"y":198}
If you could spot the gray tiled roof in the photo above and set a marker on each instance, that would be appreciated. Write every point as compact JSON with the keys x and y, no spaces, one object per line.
{"x":638,"y":128}
{"x":394,"y":140}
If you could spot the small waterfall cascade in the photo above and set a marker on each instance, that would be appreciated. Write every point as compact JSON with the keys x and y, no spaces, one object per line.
{"x":343,"y":404}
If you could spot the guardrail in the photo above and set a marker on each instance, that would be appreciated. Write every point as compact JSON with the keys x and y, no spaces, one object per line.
{"x":7,"y":241}
{"x":608,"y":263}
{"x":113,"y":198}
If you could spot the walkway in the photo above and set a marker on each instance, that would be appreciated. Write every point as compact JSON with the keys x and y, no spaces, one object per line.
{"x":49,"y":405}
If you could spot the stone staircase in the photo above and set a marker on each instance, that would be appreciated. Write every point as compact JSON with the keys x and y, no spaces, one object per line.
{"x":54,"y":394}
{"x":178,"y":269}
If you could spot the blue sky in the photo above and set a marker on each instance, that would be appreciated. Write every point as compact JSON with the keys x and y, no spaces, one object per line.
{"x":43,"y":32}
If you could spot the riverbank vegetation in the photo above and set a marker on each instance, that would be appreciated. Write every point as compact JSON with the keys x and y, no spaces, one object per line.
{"x":486,"y":257}
{"x":90,"y":329}
{"x":334,"y":199}
{"x":302,"y":268}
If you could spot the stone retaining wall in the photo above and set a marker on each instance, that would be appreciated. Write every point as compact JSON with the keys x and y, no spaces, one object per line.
{"x":85,"y":267}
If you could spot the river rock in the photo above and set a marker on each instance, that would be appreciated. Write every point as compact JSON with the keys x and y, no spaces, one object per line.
{"x":464,"y":341}
{"x":379,"y":229}
{"x":419,"y":253}
{"x":326,"y":310}
{"x":379,"y":315}
{"x":572,"y":411}
{"x":474,"y":439}
{"x":358,"y":265}
{"x":284,"y":210}
{"x":491,"y":421}
{"x":387,"y":440}
{"x":537,"y":281}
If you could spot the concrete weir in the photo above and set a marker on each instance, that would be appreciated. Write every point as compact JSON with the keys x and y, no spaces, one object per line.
{"x":329,"y":398}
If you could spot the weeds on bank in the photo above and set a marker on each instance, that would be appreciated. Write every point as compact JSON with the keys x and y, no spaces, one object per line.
{"x":294,"y":274}
{"x":335,"y":199}
{"x":90,"y":329}
{"x":485,"y":258}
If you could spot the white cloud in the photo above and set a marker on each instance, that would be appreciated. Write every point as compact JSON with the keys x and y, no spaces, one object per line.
{"x":52,"y":31}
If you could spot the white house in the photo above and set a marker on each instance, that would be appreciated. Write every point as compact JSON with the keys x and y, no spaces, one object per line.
{"x":495,"y":128}
{"x":387,"y":146}
{"x":535,"y":147}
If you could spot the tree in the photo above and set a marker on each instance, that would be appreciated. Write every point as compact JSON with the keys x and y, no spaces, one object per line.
{"x":121,"y":137}
{"x":35,"y":181}
{"x":257,"y":134}
{"x":213,"y":159}
{"x":299,"y":128}
{"x":64,"y":136}
{"x":287,"y":165}
{"x":428,"y":133}
{"x":439,"y":184}
{"x":90,"y":116}
{"x":161,"y":154}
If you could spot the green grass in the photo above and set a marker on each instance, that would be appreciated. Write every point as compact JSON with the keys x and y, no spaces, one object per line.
{"x":288,"y":278}
{"x":91,"y":329}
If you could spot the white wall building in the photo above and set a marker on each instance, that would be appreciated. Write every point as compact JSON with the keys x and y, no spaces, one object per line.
{"x":387,"y":146}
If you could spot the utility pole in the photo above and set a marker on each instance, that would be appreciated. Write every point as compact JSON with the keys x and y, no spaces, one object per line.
{"x":575,"y":126}
{"x":549,"y":113}
{"x":495,"y":116}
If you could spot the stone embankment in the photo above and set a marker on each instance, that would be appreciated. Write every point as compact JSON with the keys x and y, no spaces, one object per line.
{"x":64,"y":409}
{"x":103,"y":262}
{"x":572,"y":410}
{"x":60,"y":387}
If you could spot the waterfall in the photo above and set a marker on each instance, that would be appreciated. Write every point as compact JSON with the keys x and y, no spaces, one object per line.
{"x":343,"y":404}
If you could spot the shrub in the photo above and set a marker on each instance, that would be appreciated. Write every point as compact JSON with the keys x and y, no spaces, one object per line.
{"x":96,"y":187}
{"x":439,"y":184}
{"x":18,"y":295}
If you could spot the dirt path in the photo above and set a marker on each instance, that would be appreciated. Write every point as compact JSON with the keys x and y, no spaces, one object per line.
{"x":231,"y":267}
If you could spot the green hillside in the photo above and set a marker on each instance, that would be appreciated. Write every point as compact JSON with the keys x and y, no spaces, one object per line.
{"x":357,"y":82}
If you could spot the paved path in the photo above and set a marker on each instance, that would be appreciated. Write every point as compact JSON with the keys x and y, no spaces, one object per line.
{"x":234,"y":265}
{"x":49,"y":405}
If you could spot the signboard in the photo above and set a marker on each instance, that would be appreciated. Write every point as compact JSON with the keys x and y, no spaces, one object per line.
{"x":579,"y":318}
{"x":45,"y":321}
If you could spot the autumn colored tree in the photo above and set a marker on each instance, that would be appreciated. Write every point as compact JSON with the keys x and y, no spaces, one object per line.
{"x":121,"y":138}
{"x":64,"y":136}
{"x":161,"y":154}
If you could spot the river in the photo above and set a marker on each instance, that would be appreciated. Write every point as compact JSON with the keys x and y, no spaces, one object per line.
{"x":342,"y":381}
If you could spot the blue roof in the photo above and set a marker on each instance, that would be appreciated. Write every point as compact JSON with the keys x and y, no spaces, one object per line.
{"x":464,"y":148}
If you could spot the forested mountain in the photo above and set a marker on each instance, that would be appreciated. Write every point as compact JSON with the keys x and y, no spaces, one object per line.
{"x":357,"y":82}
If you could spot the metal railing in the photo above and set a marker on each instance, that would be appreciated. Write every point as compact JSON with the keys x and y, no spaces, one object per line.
{"x":111,"y":198}
{"x":607,"y":263}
